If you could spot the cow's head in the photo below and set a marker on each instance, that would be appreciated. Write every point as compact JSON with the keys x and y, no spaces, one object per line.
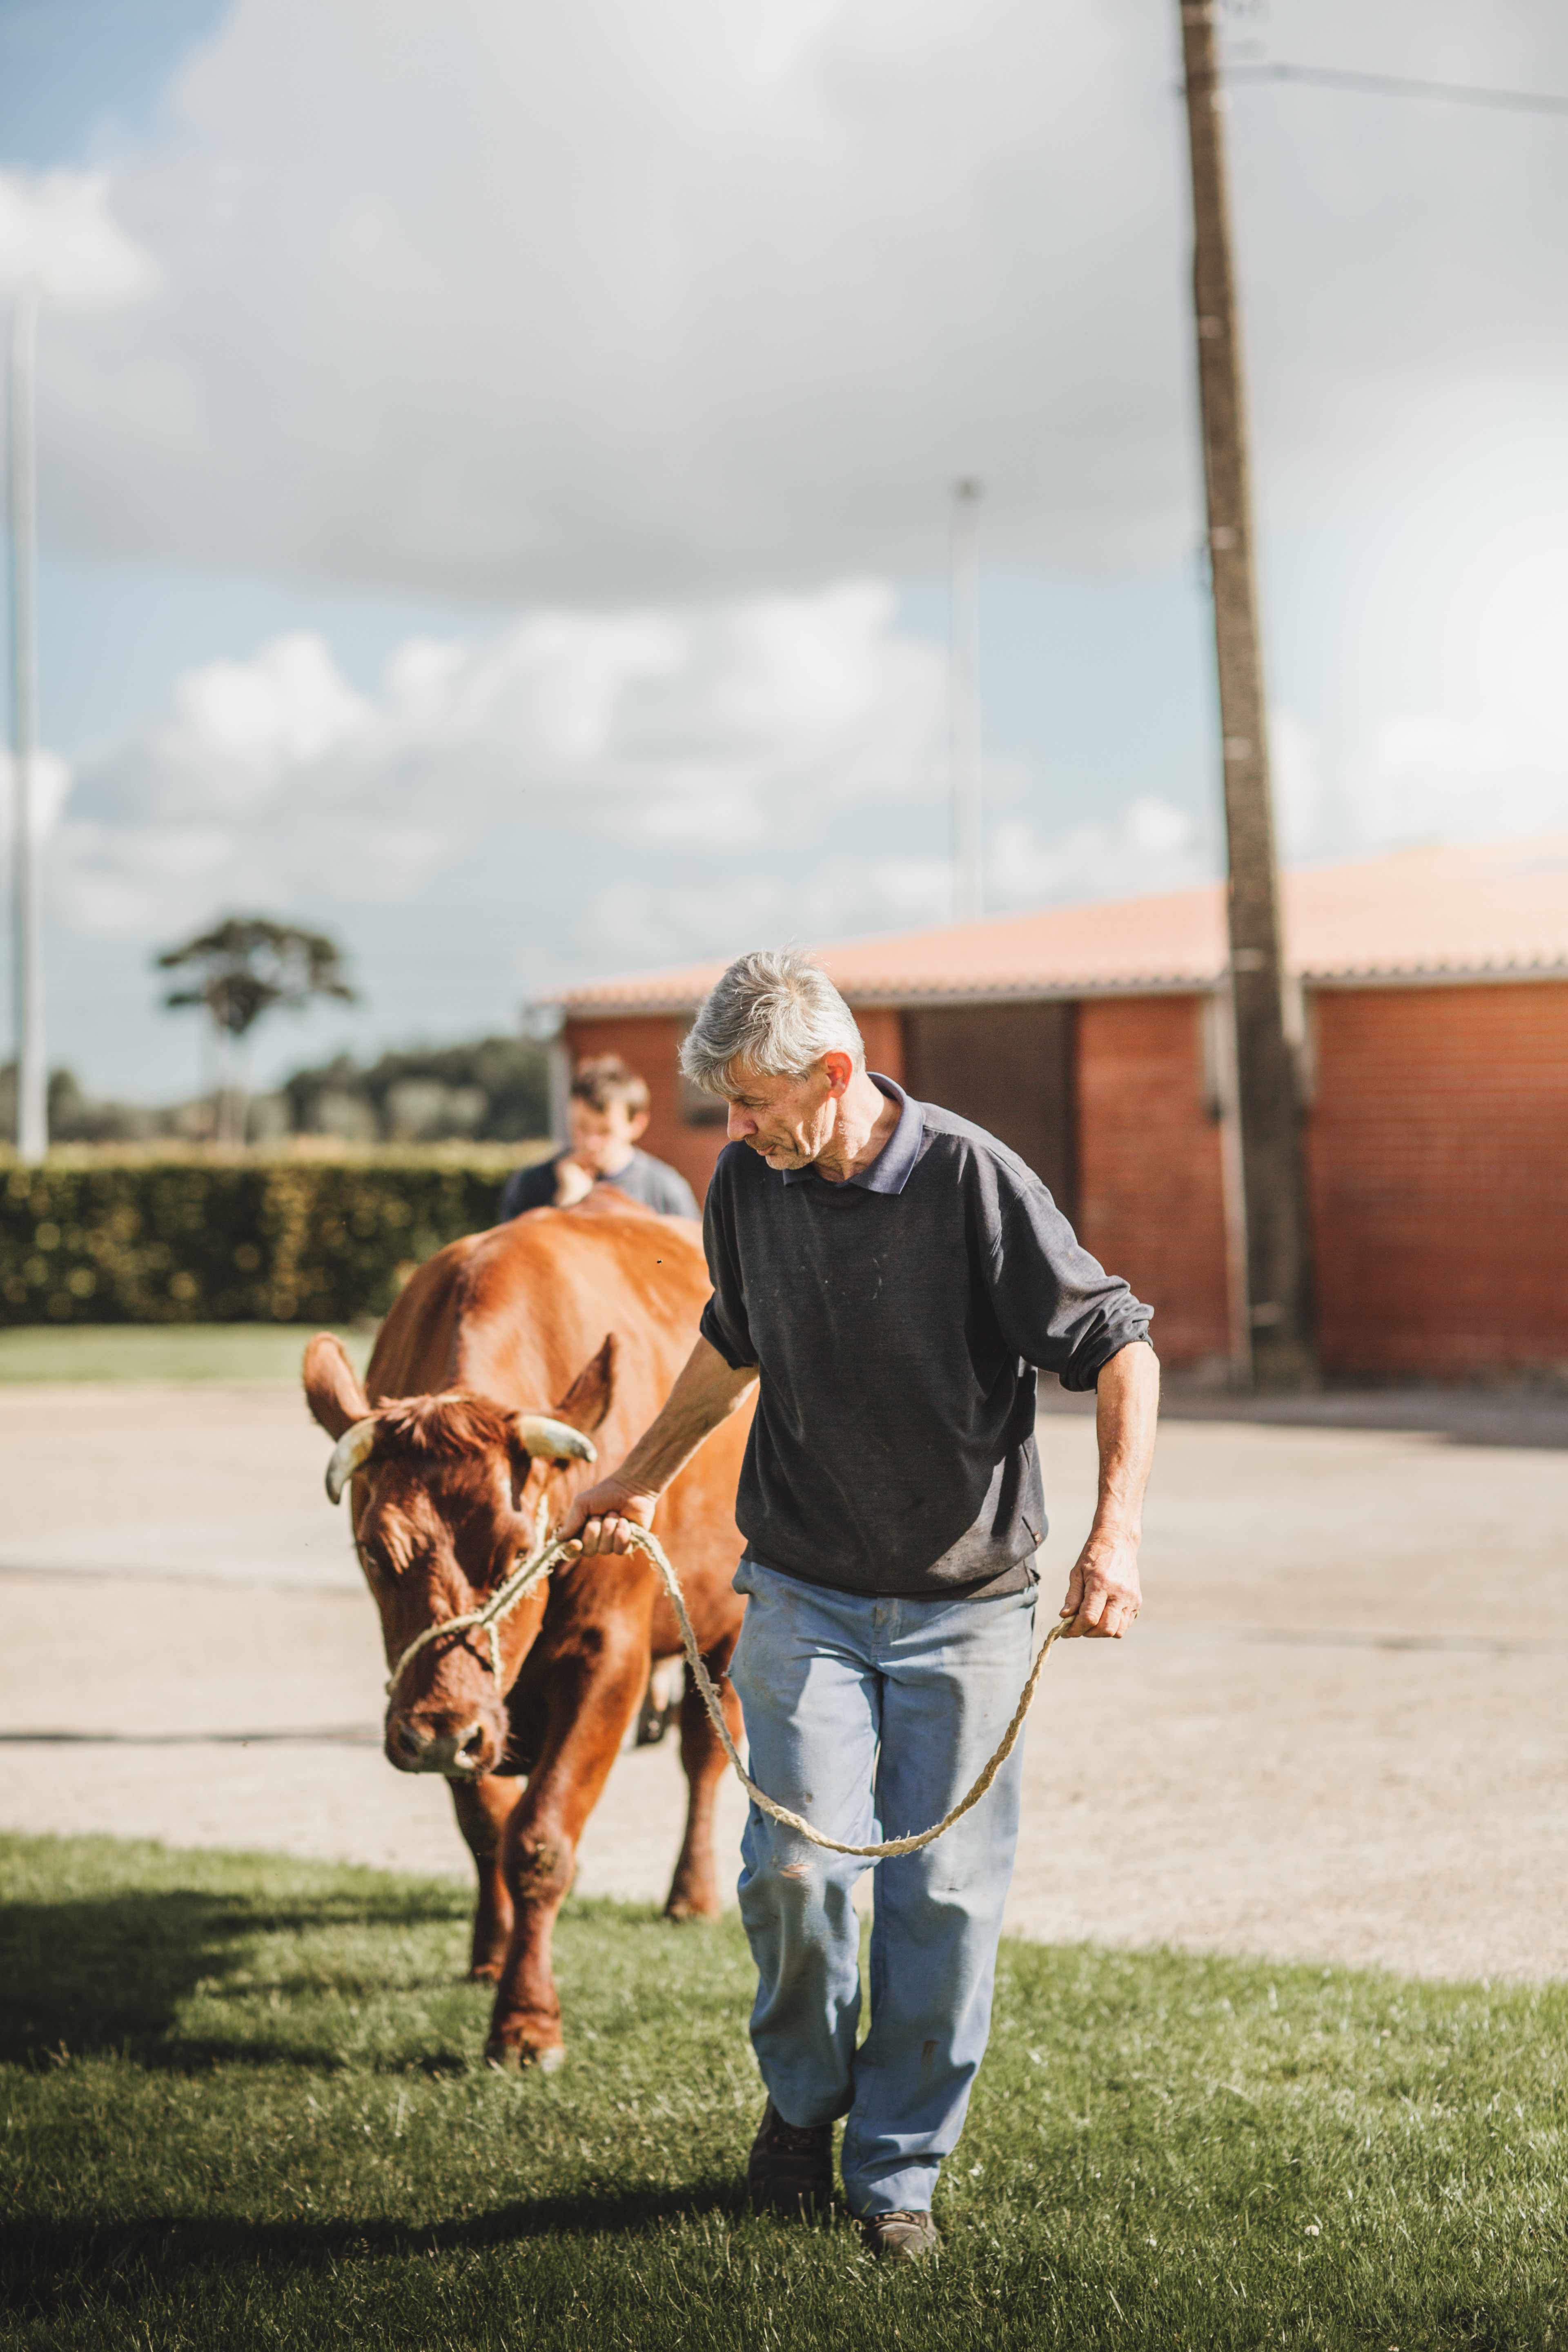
{"x":445,"y":1493}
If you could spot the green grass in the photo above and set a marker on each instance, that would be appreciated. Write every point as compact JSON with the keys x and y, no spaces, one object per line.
{"x":268,"y":1353}
{"x":243,"y":2106}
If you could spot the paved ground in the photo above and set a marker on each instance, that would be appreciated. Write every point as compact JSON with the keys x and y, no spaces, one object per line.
{"x":1337,"y":1733}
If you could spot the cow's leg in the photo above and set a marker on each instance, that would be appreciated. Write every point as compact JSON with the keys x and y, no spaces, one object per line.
{"x":483,"y":1808}
{"x":594,"y":1697}
{"x":694,"y":1889}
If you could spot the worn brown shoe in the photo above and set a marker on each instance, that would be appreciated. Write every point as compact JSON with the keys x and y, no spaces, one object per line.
{"x":790,"y":2168}
{"x":901,"y":2237}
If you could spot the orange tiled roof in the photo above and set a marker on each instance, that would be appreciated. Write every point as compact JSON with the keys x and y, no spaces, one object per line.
{"x":1496,"y":912}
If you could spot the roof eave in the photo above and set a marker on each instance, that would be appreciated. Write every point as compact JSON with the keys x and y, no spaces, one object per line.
{"x":1434,"y":975}
{"x":1191,"y":983}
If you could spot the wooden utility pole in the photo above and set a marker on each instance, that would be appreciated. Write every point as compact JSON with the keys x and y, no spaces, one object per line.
{"x":1279,"y":1302}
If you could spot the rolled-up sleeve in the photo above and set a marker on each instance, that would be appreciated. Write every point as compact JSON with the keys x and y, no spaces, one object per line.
{"x":724,"y":1325}
{"x":1055,"y":1304}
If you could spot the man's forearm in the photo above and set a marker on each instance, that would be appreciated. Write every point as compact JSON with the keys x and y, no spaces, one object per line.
{"x":706,"y":1392}
{"x":1127,"y":1410}
{"x":1103,"y":1596}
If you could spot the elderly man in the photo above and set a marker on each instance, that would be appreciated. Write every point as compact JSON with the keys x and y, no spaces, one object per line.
{"x":891,"y":1277}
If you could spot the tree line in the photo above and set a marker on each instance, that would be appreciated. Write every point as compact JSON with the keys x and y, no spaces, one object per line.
{"x":493,"y":1089}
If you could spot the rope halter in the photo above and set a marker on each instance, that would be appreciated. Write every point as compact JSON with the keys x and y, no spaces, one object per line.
{"x":531,"y":1570}
{"x":544,"y":1437}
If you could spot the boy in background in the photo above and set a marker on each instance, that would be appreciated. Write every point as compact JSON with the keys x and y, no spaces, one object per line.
{"x":607,"y":1114}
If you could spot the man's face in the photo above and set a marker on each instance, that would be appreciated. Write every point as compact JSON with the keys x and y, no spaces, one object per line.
{"x":602,"y":1140}
{"x":788,"y":1122}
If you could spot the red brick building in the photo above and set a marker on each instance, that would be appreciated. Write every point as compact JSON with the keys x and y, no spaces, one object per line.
{"x":1431,"y":993}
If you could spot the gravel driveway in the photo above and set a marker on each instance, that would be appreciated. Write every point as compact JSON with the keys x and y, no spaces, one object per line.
{"x":1337,"y":1733}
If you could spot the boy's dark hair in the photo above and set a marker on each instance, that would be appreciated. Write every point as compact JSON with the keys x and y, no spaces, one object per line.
{"x":607,"y":1079}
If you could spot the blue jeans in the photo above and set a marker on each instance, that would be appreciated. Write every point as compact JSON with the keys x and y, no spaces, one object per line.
{"x":871,"y":1718}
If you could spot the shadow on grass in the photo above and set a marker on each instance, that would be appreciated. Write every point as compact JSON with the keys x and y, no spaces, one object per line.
{"x":48,"y":2266}
{"x":107,"y":1975}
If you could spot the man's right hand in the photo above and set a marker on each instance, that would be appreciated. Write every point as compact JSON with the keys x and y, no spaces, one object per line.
{"x":599,"y":1516}
{"x":706,"y":1391}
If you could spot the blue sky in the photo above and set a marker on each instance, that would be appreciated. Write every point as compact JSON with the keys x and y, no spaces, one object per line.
{"x":493,"y":469}
{"x":79,"y":76}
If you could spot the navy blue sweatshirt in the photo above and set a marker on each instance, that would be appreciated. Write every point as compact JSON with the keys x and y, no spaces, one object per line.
{"x":897,"y":1321}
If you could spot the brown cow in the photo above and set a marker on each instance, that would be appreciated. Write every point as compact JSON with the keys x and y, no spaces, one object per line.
{"x":501,"y":1349}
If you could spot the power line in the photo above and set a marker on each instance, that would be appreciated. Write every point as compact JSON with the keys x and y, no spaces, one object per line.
{"x":1528,"y":101}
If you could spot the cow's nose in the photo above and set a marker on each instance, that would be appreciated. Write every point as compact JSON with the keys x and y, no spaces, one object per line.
{"x":415,"y":1747}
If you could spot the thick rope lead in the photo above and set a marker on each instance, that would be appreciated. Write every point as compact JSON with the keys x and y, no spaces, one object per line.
{"x":889,"y":1847}
{"x":531,"y":1571}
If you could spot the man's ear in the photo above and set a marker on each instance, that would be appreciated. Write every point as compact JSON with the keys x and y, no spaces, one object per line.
{"x":333,"y":1388}
{"x":589,"y":1398}
{"x":839,"y":1069}
{"x":636,"y":1126}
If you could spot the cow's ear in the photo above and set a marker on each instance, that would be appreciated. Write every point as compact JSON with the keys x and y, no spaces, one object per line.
{"x":333,"y":1388}
{"x":588,"y":1399}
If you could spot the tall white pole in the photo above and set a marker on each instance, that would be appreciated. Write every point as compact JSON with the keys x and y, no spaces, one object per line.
{"x":968,"y":831}
{"x":32,"y":1089}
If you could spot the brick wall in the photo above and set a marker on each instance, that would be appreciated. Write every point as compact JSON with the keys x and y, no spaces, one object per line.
{"x":1438,"y":1158}
{"x":883,"y":1031}
{"x":1150,"y":1182}
{"x":650,"y":1043}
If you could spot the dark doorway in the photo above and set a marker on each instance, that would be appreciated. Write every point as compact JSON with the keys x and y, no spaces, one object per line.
{"x":1008,"y":1067}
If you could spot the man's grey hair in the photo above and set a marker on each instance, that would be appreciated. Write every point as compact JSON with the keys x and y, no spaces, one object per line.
{"x":775,"y":1012}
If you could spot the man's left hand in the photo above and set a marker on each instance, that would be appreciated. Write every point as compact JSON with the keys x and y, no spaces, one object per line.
{"x":1103,"y":1595}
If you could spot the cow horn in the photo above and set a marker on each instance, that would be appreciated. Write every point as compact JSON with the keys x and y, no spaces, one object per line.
{"x":349,"y":1454}
{"x":555,"y":1441}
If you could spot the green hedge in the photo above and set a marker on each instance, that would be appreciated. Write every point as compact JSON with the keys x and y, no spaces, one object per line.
{"x":278,"y":1241}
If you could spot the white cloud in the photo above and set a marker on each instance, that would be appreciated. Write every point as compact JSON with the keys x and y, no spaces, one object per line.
{"x":51,"y":786}
{"x":58,"y":231}
{"x":587,"y":791}
{"x":236,"y":726}
{"x":1150,"y":846}
{"x":1302,"y":811}
{"x":749,"y":732}
{"x":1422,"y":777}
{"x":641,"y":299}
{"x":1419,"y":776}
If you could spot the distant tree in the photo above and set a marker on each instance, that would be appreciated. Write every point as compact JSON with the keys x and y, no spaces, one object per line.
{"x":245,"y":967}
{"x":78,"y":1118}
{"x":494,"y":1090}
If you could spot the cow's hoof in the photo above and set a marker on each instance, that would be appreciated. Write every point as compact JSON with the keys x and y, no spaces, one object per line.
{"x":519,"y":2057}
{"x":683,"y":1912}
